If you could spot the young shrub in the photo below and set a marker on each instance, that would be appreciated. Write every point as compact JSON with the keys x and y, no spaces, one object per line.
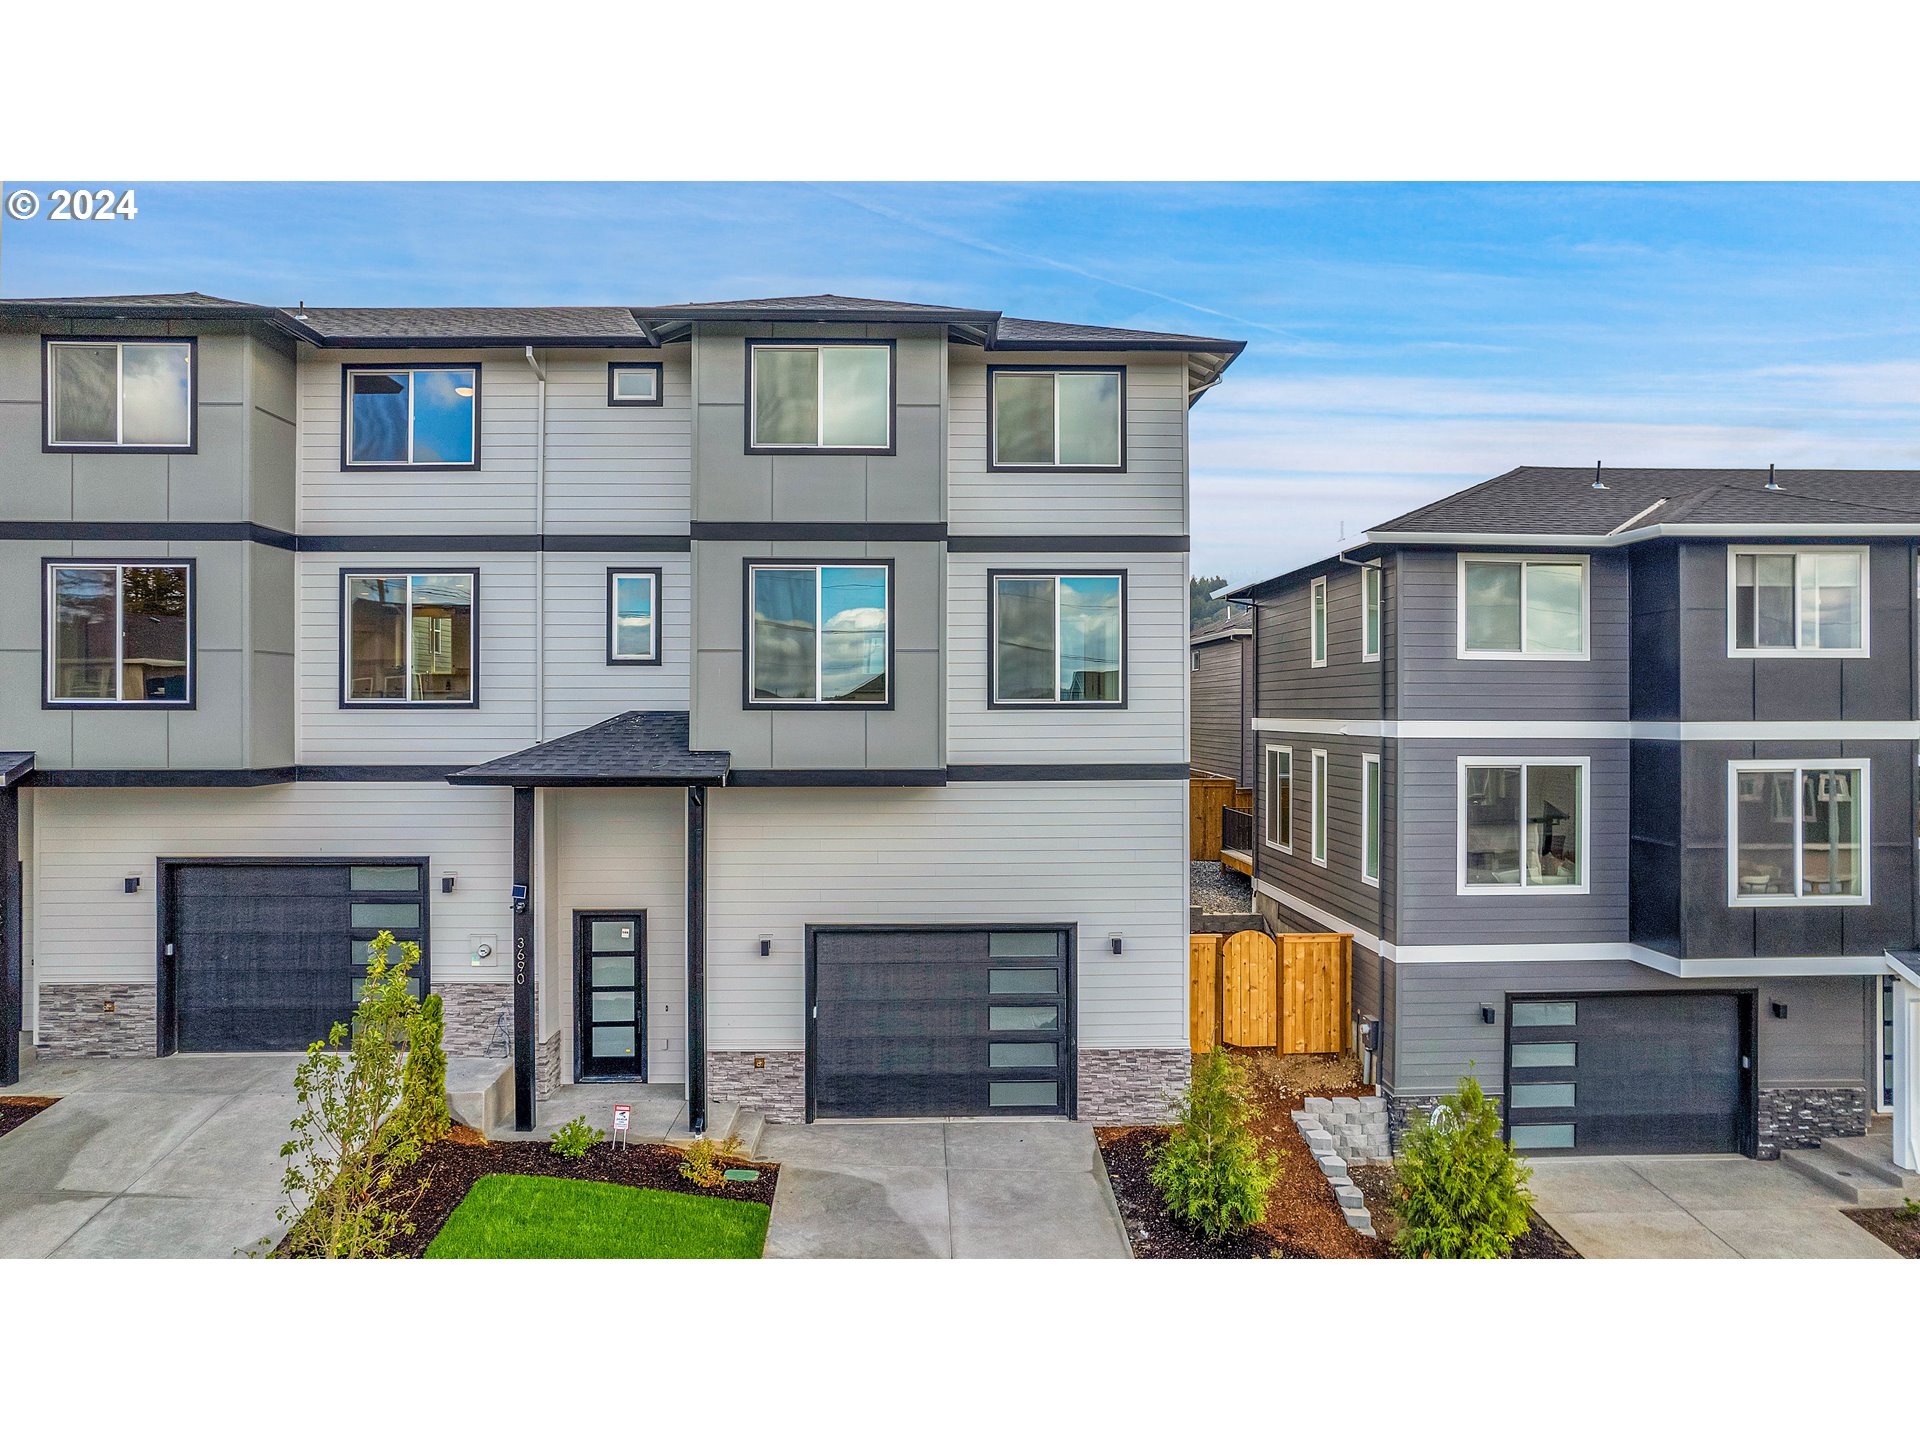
{"x":347,"y":1154}
{"x":423,"y":1084}
{"x":1460,"y":1193}
{"x":706,"y":1162}
{"x":1210,"y":1171}
{"x":575,"y":1138}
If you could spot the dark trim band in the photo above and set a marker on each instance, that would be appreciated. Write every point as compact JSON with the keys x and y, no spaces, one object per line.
{"x":815,"y":530}
{"x":144,"y":530}
{"x":1069,"y":544}
{"x":961,"y":774}
{"x":756,"y":779}
{"x":235,"y":779}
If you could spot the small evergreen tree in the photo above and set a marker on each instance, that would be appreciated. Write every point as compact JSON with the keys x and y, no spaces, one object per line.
{"x":423,"y":1084}
{"x":1210,"y":1171}
{"x":1460,"y":1192}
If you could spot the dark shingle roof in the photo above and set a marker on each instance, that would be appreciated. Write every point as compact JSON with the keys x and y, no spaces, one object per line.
{"x":13,"y":765}
{"x":844,"y":307}
{"x":1012,"y":334}
{"x":641,"y":747}
{"x":455,"y":325}
{"x":1232,"y":621}
{"x":186,"y":299}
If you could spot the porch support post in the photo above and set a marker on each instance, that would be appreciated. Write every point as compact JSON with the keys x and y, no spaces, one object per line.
{"x":697,"y":958}
{"x":12,"y":973}
{"x":526,"y":1029}
{"x":1906,"y":1074}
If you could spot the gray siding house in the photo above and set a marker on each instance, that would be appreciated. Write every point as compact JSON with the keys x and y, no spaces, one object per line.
{"x":1222,"y":689}
{"x":783,"y":699}
{"x":1615,"y":785}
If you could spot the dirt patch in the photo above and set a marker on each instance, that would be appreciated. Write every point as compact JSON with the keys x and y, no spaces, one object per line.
{"x":1897,"y":1229}
{"x":16,"y":1110}
{"x":1376,"y":1182}
{"x":1291,"y":1078}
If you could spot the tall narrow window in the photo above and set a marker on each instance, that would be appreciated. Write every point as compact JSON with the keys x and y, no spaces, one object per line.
{"x":408,"y":638}
{"x":1370,"y":613}
{"x":633,"y":619}
{"x":1058,"y":639}
{"x":1057,"y":419}
{"x":1370,"y":819}
{"x":1278,"y":799}
{"x":1788,"y":601}
{"x":424,"y":417}
{"x":1797,"y":832}
{"x":819,"y":397}
{"x":1318,"y":801}
{"x":818,"y":634}
{"x":1523,"y":824}
{"x":120,"y":395}
{"x":1512,"y":607}
{"x":119,"y":634}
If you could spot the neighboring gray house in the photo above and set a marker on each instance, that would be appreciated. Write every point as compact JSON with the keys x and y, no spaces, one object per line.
{"x":782,"y":698}
{"x":1222,"y":687}
{"x":1616,"y":789}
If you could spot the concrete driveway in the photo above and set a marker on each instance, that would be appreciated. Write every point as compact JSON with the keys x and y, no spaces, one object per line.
{"x":155,"y":1158}
{"x":1010,"y":1189}
{"x":1688,"y":1207}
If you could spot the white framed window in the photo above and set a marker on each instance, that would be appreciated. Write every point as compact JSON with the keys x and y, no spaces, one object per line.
{"x":1370,"y":819}
{"x":1370,"y":612}
{"x":119,"y":633}
{"x":418,"y":417}
{"x":633,"y":616}
{"x":1317,"y":640}
{"x":1797,"y":832}
{"x":1797,"y":600}
{"x":134,"y":395}
{"x":1056,"y":418}
{"x":1523,"y":824}
{"x":407,"y":639}
{"x":633,"y":382}
{"x":825,"y":397}
{"x":1515,"y":607}
{"x":818,"y":634}
{"x":1277,"y":797}
{"x":1317,"y":807}
{"x":1058,"y":639}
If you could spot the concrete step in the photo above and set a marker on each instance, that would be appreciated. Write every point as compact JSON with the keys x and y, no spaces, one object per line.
{"x":1862,"y":1179}
{"x":1873,"y":1153}
{"x":480,"y":1092}
{"x":749,"y":1126}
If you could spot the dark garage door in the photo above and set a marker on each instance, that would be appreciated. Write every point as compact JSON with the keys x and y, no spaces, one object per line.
{"x":939,"y":1022}
{"x":267,"y":955}
{"x":1628,"y":1074}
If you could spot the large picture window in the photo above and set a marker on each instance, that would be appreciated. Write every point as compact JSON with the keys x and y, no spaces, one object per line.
{"x":1797,"y":832}
{"x":819,"y":397}
{"x":119,"y":633}
{"x":1058,"y":639}
{"x":135,"y":395}
{"x":1787,"y":601}
{"x":1523,"y":824}
{"x":818,"y":634}
{"x":1066,"y":419}
{"x":408,"y":638}
{"x":1532,"y":607}
{"x":633,"y":617}
{"x":421,"y":417}
{"x":1278,"y":797}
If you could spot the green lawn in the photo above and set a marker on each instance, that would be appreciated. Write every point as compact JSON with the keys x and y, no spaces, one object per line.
{"x":537,"y":1217}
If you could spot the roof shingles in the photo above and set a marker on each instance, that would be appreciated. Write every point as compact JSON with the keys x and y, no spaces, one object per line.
{"x":640,"y":747}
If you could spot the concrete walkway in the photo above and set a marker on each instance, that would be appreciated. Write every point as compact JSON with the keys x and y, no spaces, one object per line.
{"x":962,"y":1189}
{"x":157,"y":1158}
{"x":1687,"y":1207}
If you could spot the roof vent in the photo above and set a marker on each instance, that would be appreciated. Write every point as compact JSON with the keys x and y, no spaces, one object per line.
{"x":1598,"y":483}
{"x":1772,"y":484}
{"x":300,"y":313}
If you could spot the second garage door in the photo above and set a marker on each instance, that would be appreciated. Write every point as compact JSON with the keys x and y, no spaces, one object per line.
{"x":935,"y":1022}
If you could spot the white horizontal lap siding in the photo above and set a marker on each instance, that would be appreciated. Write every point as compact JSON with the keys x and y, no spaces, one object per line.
{"x":1109,"y":857}
{"x":496,"y":499}
{"x":1148,"y":497}
{"x":1153,"y":725}
{"x":618,"y":469}
{"x":582,"y":688}
{"x":428,"y":734}
{"x":86,"y":842}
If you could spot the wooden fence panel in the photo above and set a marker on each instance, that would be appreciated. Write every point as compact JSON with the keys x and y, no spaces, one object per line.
{"x":1249,"y":990}
{"x":1315,"y":973}
{"x":1203,"y":1011}
{"x":1207,"y":795}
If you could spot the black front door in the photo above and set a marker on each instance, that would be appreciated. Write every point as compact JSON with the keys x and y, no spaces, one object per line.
{"x":610,"y":995}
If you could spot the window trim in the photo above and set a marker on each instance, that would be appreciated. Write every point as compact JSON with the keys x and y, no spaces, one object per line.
{"x":1736,"y":768}
{"x":75,"y":562}
{"x":1797,"y":651}
{"x":1583,"y":763}
{"x":347,"y":462}
{"x":994,"y":702}
{"x":346,"y":573}
{"x":781,"y":562}
{"x":755,"y":447}
{"x":49,"y":446}
{"x":993,"y":424}
{"x":1372,"y":593}
{"x":1370,"y":761}
{"x":615,"y":572}
{"x":617,"y":401}
{"x":1319,"y":814}
{"x":1266,"y":799}
{"x":1317,"y":623}
{"x":1581,"y":558}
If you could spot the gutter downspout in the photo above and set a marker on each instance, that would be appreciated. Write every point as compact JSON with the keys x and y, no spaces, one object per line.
{"x":539,"y":555}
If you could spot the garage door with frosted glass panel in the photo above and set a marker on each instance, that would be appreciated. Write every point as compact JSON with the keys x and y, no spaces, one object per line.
{"x":958,"y":1021}
{"x":1628,"y":1074}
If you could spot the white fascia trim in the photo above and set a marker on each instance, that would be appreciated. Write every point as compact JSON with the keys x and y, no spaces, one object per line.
{"x":1710,"y":968}
{"x":1333,"y":923}
{"x":1595,"y":729}
{"x":1629,"y":537}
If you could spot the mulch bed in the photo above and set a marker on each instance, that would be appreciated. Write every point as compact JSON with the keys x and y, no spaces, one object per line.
{"x":1894,"y":1228}
{"x":16,"y":1110}
{"x":1156,"y":1235}
{"x":1541,"y":1241}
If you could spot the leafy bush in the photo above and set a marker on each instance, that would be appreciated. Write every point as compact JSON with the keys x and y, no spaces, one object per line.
{"x":350,"y":1147}
{"x":706,"y":1162}
{"x":1460,"y":1193}
{"x":575,"y":1138}
{"x":1210,"y":1171}
{"x":423,"y":1084}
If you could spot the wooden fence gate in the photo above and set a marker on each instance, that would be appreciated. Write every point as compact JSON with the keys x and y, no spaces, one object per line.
{"x":1292,"y":996}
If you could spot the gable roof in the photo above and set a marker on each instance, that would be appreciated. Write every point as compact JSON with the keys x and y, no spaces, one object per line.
{"x":641,"y":747}
{"x":1235,"y":620}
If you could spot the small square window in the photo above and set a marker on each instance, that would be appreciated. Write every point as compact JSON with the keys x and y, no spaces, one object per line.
{"x":634,"y":384}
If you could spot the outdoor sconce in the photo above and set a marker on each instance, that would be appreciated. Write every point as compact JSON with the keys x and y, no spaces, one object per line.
{"x":1117,"y":946}
{"x":446,"y":883}
{"x":1486,"y":1015}
{"x":766,"y":944}
{"x":1779,"y":1008}
{"x":131,"y":884}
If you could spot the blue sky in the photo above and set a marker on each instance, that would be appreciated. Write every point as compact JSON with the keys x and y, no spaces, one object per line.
{"x":1404,"y":340}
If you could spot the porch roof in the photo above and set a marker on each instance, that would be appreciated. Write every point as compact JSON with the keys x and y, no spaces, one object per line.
{"x":15,"y":765}
{"x":641,"y":747}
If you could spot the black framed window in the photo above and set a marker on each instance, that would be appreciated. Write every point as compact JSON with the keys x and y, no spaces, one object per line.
{"x":409,"y":638}
{"x":119,"y":633}
{"x":1059,"y":638}
{"x":829,"y":398}
{"x":634,"y":384}
{"x":1056,"y":418}
{"x":410,"y":417}
{"x":133,"y":395}
{"x":392,"y":897}
{"x":633,"y":617}
{"x":819,"y":634}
